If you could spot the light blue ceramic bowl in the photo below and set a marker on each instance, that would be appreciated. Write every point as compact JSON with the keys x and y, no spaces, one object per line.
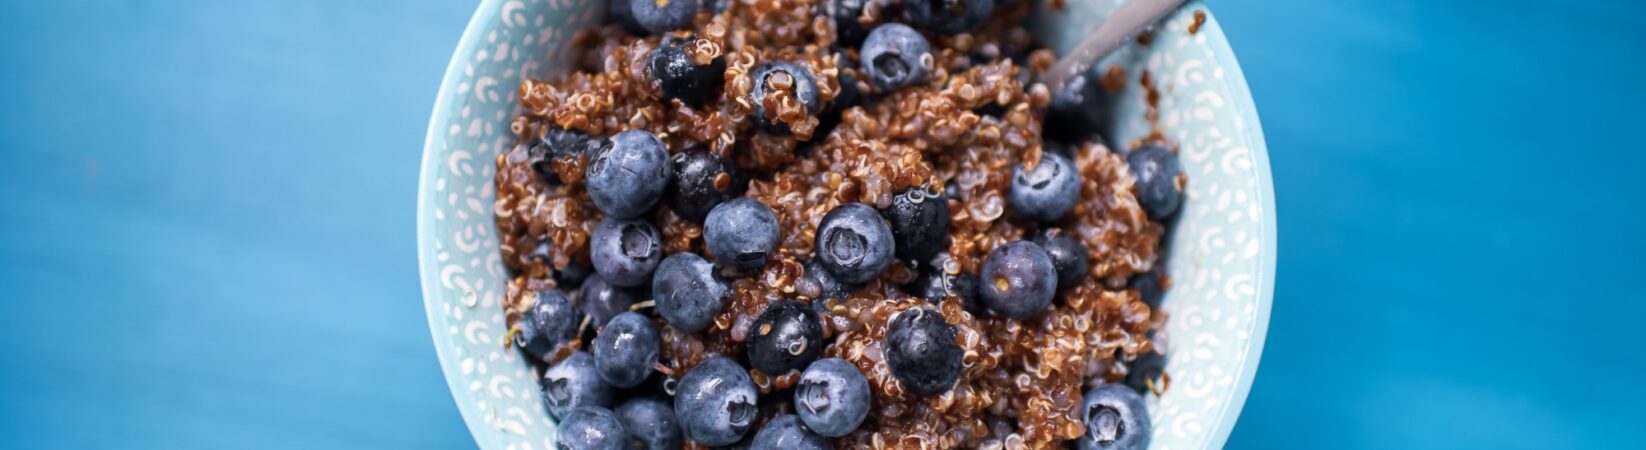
{"x":1222,"y":249}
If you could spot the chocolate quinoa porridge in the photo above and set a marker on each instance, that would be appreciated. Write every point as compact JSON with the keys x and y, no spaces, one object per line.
{"x":775,"y":101}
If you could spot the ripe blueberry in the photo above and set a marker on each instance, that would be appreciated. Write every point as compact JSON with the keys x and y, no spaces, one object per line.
{"x":948,"y":16}
{"x":651,"y":424}
{"x":1048,"y":191}
{"x":775,"y":76}
{"x":1159,"y":180}
{"x":919,"y":219}
{"x":646,"y":17}
{"x":827,"y":287}
{"x":1115,"y":419}
{"x":1079,"y":110}
{"x":701,"y":182}
{"x":934,"y":285}
{"x":848,"y":29}
{"x":549,"y":322}
{"x":787,"y":432}
{"x":1018,"y":280}
{"x":788,"y":335}
{"x":626,"y":350}
{"x":625,"y":252}
{"x":627,"y":174}
{"x":895,"y":56}
{"x":1151,"y":285}
{"x":602,"y":301}
{"x":683,"y":76}
{"x":832,"y":397}
{"x":921,"y":351}
{"x":1069,"y":256}
{"x":716,"y":402}
{"x":854,"y":243}
{"x":741,"y":234}
{"x":591,"y":428}
{"x":687,"y":291}
{"x":574,"y":382}
{"x":1147,"y":369}
{"x":555,"y":144}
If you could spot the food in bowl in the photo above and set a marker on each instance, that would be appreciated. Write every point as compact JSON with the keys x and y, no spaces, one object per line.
{"x":833,"y":223}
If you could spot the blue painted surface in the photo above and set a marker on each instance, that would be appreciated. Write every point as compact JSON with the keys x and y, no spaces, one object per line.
{"x":207,"y":209}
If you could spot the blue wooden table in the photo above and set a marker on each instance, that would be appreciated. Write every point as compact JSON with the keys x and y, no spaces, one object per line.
{"x":206,"y":223}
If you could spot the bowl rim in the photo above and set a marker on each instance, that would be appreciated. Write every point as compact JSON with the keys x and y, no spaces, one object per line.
{"x":425,"y":225}
{"x":1234,"y":81}
{"x":1241,"y":97}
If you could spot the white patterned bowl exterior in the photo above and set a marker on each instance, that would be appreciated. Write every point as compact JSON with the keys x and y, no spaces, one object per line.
{"x":1222,"y":248}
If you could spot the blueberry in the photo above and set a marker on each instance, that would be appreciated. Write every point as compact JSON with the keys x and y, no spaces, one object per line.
{"x":701,"y":182}
{"x":746,"y":443}
{"x":773,"y":76}
{"x":1048,"y":191}
{"x":716,"y":402}
{"x":1069,"y":256}
{"x":1159,"y":180}
{"x":787,"y":432}
{"x":919,"y":219}
{"x":554,"y":144}
{"x":948,"y":16}
{"x":622,"y":12}
{"x":850,"y":93}
{"x":574,"y":382}
{"x":921,"y":351}
{"x":741,"y":233}
{"x":827,"y":286}
{"x":626,"y":350}
{"x":1151,"y":285}
{"x":1079,"y":110}
{"x":854,"y":243}
{"x":651,"y":424}
{"x":1018,"y":280}
{"x":1115,"y":420}
{"x":832,"y":397}
{"x":788,"y":335}
{"x":647,"y":17}
{"x":549,"y":322}
{"x":1147,"y":369}
{"x":848,"y":31}
{"x":601,"y":301}
{"x":542,"y":254}
{"x":569,"y":277}
{"x":591,"y":428}
{"x":687,"y":291}
{"x":572,"y":275}
{"x":627,"y":174}
{"x":894,"y":56}
{"x":934,"y":285}
{"x":847,"y":97}
{"x":717,"y":6}
{"x":682,"y":76}
{"x":625,"y":251}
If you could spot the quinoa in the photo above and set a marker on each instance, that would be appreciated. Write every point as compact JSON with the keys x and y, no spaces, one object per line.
{"x":976,"y":117}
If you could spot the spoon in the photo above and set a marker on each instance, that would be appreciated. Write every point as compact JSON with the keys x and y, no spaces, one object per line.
{"x":1132,"y":18}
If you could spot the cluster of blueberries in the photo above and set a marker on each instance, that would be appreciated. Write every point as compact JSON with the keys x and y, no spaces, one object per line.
{"x":894,"y":55}
{"x":716,"y":403}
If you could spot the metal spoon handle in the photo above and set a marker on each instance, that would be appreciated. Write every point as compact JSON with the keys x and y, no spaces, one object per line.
{"x":1132,"y":18}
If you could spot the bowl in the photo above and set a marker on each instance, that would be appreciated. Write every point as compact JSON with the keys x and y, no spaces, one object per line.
{"x":1222,"y":246}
